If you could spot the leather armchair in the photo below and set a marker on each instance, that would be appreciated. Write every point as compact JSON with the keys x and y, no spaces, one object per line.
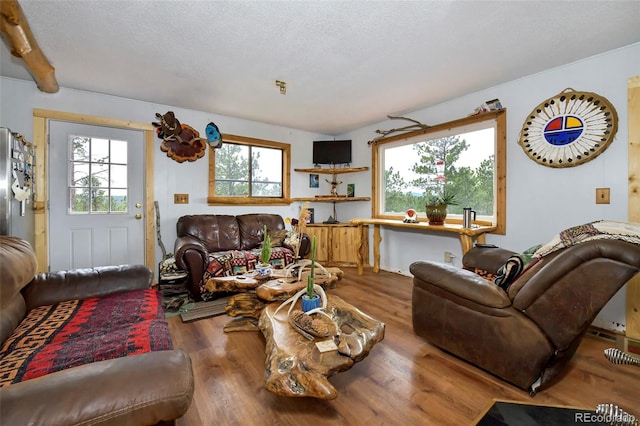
{"x":528,"y":334}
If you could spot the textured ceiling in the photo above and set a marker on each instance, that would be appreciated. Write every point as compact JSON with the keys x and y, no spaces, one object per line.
{"x":347,"y":64}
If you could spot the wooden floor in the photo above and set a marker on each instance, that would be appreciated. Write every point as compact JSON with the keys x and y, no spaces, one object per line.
{"x":404,"y":380}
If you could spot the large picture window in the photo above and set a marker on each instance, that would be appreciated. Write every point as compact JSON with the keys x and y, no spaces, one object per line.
{"x":249,"y":171}
{"x":466,"y":157}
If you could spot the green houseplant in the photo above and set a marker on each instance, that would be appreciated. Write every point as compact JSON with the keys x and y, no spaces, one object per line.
{"x":311,"y":300}
{"x":437,"y":202}
{"x":318,"y":296}
{"x":264,"y":268}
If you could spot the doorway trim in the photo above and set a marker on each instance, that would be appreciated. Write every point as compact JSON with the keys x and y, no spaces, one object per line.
{"x":41,"y":118}
{"x":633,"y":286}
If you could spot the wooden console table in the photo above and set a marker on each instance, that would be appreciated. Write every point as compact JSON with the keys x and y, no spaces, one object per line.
{"x":466,"y":235}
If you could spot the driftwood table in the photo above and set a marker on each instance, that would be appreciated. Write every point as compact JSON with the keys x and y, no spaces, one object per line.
{"x":247,"y":305}
{"x":296,"y":367}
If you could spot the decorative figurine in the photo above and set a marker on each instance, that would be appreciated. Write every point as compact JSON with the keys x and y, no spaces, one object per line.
{"x":411,"y":216}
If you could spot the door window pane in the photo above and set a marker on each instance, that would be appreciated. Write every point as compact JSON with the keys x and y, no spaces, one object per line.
{"x":98,"y":176}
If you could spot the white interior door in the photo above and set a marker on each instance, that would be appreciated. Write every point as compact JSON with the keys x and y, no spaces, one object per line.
{"x":96,"y":196}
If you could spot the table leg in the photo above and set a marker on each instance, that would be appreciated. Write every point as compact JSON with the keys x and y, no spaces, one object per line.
{"x":363,"y":232}
{"x":467,"y":243}
{"x":376,"y":248}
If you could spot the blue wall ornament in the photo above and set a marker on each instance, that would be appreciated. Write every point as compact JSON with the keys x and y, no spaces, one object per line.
{"x":213,"y":135}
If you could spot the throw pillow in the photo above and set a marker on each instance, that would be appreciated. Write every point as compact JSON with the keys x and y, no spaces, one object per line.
{"x":277,"y":237}
{"x":514,"y":266}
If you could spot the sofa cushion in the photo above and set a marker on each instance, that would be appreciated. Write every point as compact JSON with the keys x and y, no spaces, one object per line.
{"x":252,"y":228}
{"x":18,"y":267}
{"x":217,"y":232}
{"x":76,"y":332}
{"x":277,"y":237}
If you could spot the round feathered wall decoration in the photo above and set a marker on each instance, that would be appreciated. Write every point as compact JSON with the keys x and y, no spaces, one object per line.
{"x":569,"y":129}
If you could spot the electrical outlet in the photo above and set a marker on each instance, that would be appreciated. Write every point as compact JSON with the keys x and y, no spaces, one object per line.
{"x":448,"y":257}
{"x":180,"y":198}
{"x":602,"y":195}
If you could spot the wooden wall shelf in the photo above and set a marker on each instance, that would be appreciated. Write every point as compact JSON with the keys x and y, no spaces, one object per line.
{"x":331,"y":199}
{"x":334,"y":171}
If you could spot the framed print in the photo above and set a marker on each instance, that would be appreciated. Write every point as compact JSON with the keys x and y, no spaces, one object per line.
{"x":314,"y":181}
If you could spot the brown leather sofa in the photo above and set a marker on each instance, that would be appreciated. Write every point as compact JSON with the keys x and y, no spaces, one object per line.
{"x":144,"y":388}
{"x":200,"y":238}
{"x":527,"y":334}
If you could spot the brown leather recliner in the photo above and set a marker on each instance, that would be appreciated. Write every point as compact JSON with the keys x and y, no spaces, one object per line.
{"x":528,"y":334}
{"x":147,"y":387}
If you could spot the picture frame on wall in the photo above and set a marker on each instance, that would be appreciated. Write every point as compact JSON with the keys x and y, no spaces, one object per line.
{"x":311,"y":215}
{"x":314,"y":180}
{"x":351,"y":190}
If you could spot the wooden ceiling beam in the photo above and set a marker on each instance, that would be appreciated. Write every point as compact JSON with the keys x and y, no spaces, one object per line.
{"x":14,"y":27}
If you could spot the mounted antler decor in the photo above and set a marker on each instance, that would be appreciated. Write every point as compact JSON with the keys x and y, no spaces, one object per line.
{"x":14,"y":26}
{"x":181,"y":142}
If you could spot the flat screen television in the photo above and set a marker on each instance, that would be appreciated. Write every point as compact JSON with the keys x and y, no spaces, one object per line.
{"x":332,"y":152}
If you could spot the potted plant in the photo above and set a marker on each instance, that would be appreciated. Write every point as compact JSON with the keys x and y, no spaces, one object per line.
{"x":437,"y":203}
{"x":311,"y":300}
{"x":314,"y":298}
{"x":264,"y":268}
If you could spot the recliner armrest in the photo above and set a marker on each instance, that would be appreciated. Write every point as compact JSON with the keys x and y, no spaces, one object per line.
{"x":489,"y":259}
{"x":49,"y":288}
{"x":305,"y":245}
{"x":459,"y":282}
{"x":141,"y":389}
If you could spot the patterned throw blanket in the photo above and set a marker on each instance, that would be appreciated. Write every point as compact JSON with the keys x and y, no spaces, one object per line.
{"x":238,"y":262}
{"x":68,"y":334}
{"x":601,"y":229}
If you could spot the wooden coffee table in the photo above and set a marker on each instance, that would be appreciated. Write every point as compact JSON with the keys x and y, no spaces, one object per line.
{"x":255,"y":293}
{"x":296,"y":367}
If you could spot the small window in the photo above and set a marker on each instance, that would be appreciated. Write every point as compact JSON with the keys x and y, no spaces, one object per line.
{"x":249,"y":171}
{"x":98,"y":176}
{"x":467,"y":157}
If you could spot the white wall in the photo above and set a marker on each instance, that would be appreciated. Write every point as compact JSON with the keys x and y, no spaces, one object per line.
{"x":19,"y":98}
{"x":540,"y":200}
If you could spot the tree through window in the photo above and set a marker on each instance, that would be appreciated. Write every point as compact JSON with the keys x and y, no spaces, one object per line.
{"x":98,"y":175}
{"x":249,"y":171}
{"x":465,"y":157}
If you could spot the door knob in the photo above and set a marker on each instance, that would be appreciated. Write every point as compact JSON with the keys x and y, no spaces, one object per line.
{"x":138,"y":216}
{"x":138,"y":205}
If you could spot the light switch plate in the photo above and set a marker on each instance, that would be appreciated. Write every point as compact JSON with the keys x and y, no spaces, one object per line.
{"x":602,"y":195}
{"x":180,"y":198}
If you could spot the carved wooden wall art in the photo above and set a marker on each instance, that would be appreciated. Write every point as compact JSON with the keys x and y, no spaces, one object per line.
{"x":181,"y":142}
{"x":569,"y":129}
